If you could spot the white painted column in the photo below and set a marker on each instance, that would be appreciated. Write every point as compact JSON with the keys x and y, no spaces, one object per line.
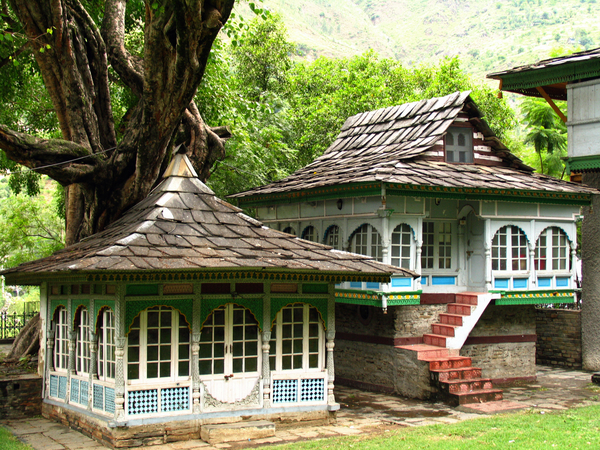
{"x":532,"y":244}
{"x":72,"y":348}
{"x":419,"y":251}
{"x":573,"y":264}
{"x":488,"y":254}
{"x":266,"y":347}
{"x":330,"y":344}
{"x":194,"y":358}
{"x":93,"y":338}
{"x":120,"y":341}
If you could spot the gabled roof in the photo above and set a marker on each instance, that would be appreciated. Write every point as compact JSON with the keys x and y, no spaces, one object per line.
{"x":551,"y":74}
{"x":183,"y":226}
{"x":389,"y":146}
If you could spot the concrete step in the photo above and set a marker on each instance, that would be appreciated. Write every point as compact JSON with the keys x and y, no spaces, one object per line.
{"x":238,"y":431}
{"x":467,"y":298}
{"x":453,"y":362}
{"x":459,"y":308}
{"x":435,"y":339}
{"x":458,"y":373}
{"x":427,"y":352}
{"x":451,"y":319}
{"x":443,"y":328}
{"x":461,"y":386}
{"x":480,"y":396}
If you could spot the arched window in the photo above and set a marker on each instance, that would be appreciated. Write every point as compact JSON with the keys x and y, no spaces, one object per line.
{"x":158,"y":345}
{"x":106,"y":344}
{"x":61,"y":339}
{"x":333,"y":238}
{"x":366,"y":241}
{"x":290,"y":230}
{"x":310,"y":234}
{"x":83,"y":357}
{"x":552,"y":250}
{"x":401,"y":237}
{"x":509,"y":249}
{"x":297,"y":341}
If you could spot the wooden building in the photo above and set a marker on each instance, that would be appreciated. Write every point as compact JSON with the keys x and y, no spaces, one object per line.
{"x":428,"y":187}
{"x":186,"y":312}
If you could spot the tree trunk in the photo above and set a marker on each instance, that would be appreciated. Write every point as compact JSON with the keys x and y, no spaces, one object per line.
{"x":106,"y":173}
{"x":28,"y":340}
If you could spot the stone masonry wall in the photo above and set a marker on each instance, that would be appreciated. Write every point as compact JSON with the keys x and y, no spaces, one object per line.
{"x":20,"y":396}
{"x":503,"y":342}
{"x":559,"y":337}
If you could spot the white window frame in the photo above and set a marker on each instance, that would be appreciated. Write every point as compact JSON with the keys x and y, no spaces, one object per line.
{"x":443,"y":238}
{"x":106,"y":345}
{"x":276,"y":353}
{"x":143,"y":362}
{"x":555,"y":247}
{"x":61,"y":340}
{"x":508,"y":249}
{"x":453,"y":148}
{"x":398,"y":246}
{"x":370,"y":242}
{"x":83,"y":357}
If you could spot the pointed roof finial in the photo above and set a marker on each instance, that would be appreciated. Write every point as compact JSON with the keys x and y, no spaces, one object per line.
{"x":180,"y":165}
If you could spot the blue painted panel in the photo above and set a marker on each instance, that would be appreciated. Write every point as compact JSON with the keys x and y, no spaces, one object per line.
{"x":443,"y":281}
{"x":520,"y":283}
{"x":501,"y":283}
{"x":356,"y":284}
{"x":424,"y":281}
{"x":338,"y":286}
{"x":544,"y":282}
{"x":372,"y":285}
{"x":401,"y":282}
{"x":562,"y":282}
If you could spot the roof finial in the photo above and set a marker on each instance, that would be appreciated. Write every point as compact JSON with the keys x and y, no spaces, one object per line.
{"x":181,"y":149}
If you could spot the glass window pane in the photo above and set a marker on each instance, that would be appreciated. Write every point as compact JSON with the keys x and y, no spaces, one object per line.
{"x":238,"y":365}
{"x":152,"y":370}
{"x":152,"y":319}
{"x":165,"y":335}
{"x":313,"y":361}
{"x":286,"y":362}
{"x":152,"y":353}
{"x":184,"y":368}
{"x":165,"y":352}
{"x":184,"y":352}
{"x":205,"y":367}
{"x":297,"y":361}
{"x":297,"y":346}
{"x":165,"y":319}
{"x":238,"y":349}
{"x":251,"y":364}
{"x":286,"y":346}
{"x":238,"y":333}
{"x":205,"y":351}
{"x":219,"y":366}
{"x":133,"y":371}
{"x":153,"y":336}
{"x":133,"y":354}
{"x":219,"y":350}
{"x":165,"y":369}
{"x":251,"y":349}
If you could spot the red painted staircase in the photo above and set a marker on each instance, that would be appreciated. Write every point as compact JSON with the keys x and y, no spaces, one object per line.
{"x":456,"y":380}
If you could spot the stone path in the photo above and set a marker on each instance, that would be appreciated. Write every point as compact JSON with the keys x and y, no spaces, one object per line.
{"x":361,"y":412}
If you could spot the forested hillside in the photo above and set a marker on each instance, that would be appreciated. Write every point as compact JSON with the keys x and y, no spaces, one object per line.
{"x":488,"y":35}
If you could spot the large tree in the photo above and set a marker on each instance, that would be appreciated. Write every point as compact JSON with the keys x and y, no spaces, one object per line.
{"x":79,"y":47}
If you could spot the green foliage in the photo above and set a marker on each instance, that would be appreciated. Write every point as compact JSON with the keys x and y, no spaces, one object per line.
{"x":10,"y":442}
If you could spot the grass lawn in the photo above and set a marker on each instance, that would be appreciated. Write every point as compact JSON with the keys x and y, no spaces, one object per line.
{"x":9,"y":442}
{"x":573,"y":429}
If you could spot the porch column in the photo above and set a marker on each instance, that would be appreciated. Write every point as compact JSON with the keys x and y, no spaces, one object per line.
{"x":72,"y":349}
{"x":49,"y":364}
{"x":574,"y":268}
{"x":266,"y":347}
{"x":119,"y":353}
{"x":419,"y":238}
{"x":196,"y":308}
{"x":532,"y":271}
{"x":488,"y":254}
{"x":330,"y":344}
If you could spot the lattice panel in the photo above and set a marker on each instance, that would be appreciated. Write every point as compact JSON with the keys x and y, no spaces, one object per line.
{"x":142,"y":402}
{"x":109,"y":405}
{"x":98,"y":401}
{"x":312,"y":390}
{"x":285,"y":391}
{"x":74,"y":391}
{"x":62,"y":387}
{"x":84,"y":387}
{"x":53,"y":386}
{"x":175,"y":399}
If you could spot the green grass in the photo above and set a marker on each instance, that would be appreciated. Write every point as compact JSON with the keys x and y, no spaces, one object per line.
{"x":573,"y":429}
{"x":9,"y":442}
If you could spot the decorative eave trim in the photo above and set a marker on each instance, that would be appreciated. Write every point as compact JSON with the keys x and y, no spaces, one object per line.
{"x":374,"y":298}
{"x":536,"y":297}
{"x":583,"y":164}
{"x":206,"y":275}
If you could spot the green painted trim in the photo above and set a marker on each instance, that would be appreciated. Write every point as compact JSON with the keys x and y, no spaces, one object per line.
{"x":363,"y":302}
{"x":373,"y":298}
{"x":583,"y":163}
{"x":315,"y":288}
{"x":535,"y":301}
{"x":55,"y":304}
{"x":278,"y":303}
{"x":535,"y":297}
{"x":255,"y":306}
{"x":141,"y":289}
{"x":321,"y":193}
{"x":134,"y":307}
{"x":75,"y":304}
{"x":99,"y":304}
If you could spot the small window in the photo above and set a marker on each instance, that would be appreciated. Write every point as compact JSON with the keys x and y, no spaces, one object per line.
{"x":401,"y":244}
{"x":332,"y":237}
{"x":459,"y":145}
{"x":552,"y":250}
{"x":509,"y":249}
{"x":310,"y":234}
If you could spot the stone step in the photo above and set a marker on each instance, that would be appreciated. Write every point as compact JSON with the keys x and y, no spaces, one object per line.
{"x":452,"y":319}
{"x":467,"y":298}
{"x":480,"y":396}
{"x":458,"y":386}
{"x":427,"y":352}
{"x":435,"y":339}
{"x":238,"y":431}
{"x":444,"y":329}
{"x":458,"y":373}
{"x":459,"y":308}
{"x":453,"y":362}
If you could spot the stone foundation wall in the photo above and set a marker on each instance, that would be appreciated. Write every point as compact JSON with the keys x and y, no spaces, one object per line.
{"x":20,"y":396}
{"x":559,"y":337}
{"x":503,"y":343}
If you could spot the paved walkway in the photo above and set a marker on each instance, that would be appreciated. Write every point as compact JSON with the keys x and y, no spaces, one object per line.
{"x":361,"y":413}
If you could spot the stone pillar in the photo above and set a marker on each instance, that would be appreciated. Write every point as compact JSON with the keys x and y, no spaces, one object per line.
{"x":196,"y":406}
{"x":330,"y":344}
{"x":120,"y":341}
{"x":590,"y":305}
{"x":266,"y":347}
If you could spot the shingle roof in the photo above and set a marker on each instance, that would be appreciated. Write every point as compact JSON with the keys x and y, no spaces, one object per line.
{"x":389,"y":145}
{"x":182,"y":225}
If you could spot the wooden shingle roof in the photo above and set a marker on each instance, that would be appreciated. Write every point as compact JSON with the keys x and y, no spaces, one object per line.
{"x":390,"y":145}
{"x":183,"y":226}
